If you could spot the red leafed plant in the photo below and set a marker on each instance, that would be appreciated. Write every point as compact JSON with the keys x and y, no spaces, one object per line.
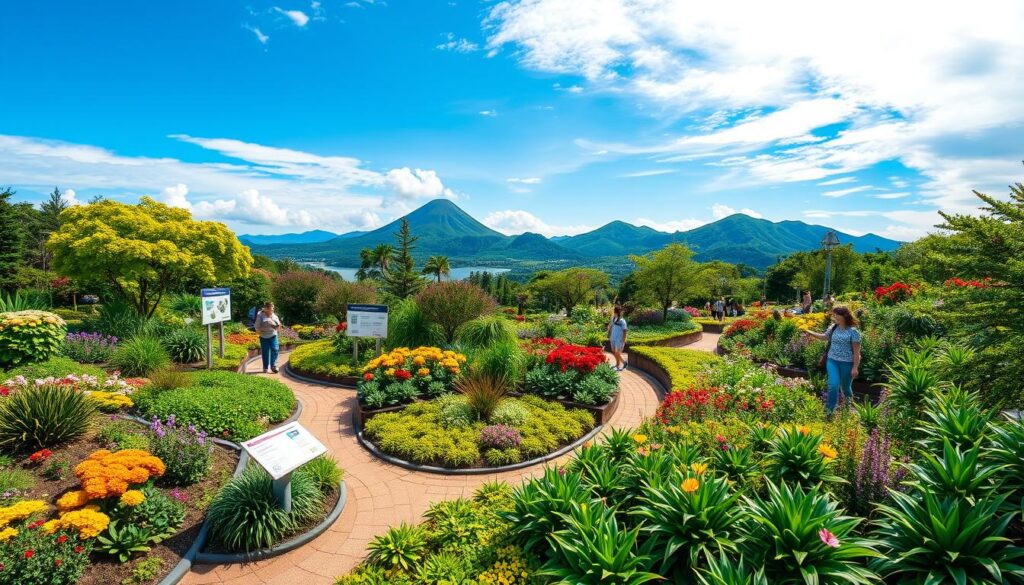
{"x":579,"y":358}
{"x":894,"y":293}
{"x":740,"y":326}
{"x":959,"y":283}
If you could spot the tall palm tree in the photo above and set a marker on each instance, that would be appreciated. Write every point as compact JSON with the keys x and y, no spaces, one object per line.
{"x":367,"y":267}
{"x":438,"y":266}
{"x":382,"y":256}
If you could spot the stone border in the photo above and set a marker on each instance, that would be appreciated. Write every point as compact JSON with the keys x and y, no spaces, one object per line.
{"x":369,"y":446}
{"x":323,"y":380}
{"x":652,"y":369}
{"x":286,"y":546}
{"x":681,"y":340}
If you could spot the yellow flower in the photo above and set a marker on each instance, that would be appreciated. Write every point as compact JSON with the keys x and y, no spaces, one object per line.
{"x":640,"y":438}
{"x":7,"y":533}
{"x":389,"y":372}
{"x":132,"y":498}
{"x":419,"y":360}
{"x":690,"y":485}
{"x":803,"y":429}
{"x":827,"y":452}
{"x":71,"y":500}
{"x":88,"y":523}
{"x":423,"y":372}
{"x":699,"y":468}
{"x":20,"y":511}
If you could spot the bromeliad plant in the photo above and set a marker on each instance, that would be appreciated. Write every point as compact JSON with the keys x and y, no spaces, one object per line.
{"x":799,"y":456}
{"x":540,"y":507}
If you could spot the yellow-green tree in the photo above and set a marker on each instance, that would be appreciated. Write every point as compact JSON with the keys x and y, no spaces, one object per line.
{"x":146,"y":249}
{"x":570,"y":287}
{"x":666,"y":275}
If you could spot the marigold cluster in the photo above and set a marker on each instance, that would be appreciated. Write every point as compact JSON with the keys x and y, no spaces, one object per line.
{"x":20,"y":511}
{"x":72,"y":500}
{"x":132,"y":498}
{"x":105,"y":474}
{"x":402,"y":361}
{"x":89,"y":522}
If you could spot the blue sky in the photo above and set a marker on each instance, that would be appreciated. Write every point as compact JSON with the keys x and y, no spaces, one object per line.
{"x":553,"y":116}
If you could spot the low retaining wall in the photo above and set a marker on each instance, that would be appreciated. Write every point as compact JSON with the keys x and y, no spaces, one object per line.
{"x":344,"y":382}
{"x":652,"y":369}
{"x":681,"y":340}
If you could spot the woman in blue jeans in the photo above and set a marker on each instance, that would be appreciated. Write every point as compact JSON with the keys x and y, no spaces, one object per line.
{"x":267,"y":325}
{"x":843,"y":360}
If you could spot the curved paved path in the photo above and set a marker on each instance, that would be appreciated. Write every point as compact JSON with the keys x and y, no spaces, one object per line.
{"x":380,"y":494}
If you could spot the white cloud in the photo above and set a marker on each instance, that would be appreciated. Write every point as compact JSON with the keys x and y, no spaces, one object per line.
{"x":262,"y":38}
{"x":524,"y":180}
{"x":839,"y":181}
{"x":298,"y":17}
{"x":891,"y":195}
{"x":418,"y":183}
{"x":489,"y":113}
{"x":651,"y":173}
{"x":252,"y":208}
{"x":457,"y":44}
{"x":71,"y":197}
{"x":512,"y":222}
{"x":678,"y":225}
{"x":910,"y":224}
{"x":176,"y":196}
{"x":719,"y":210}
{"x":848,"y":191}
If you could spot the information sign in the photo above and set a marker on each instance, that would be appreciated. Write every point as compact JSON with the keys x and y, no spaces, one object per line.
{"x":216,"y":305}
{"x":284,"y":449}
{"x":367,"y":321}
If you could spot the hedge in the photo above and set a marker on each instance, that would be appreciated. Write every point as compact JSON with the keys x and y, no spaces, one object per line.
{"x":320,"y":358}
{"x":659,"y":333}
{"x":682,"y":364}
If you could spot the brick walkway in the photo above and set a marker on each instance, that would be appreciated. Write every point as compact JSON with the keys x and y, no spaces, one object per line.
{"x":379,"y":494}
{"x":708,"y":342}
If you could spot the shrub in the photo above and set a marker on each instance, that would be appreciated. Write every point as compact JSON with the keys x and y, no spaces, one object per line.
{"x":454,"y":412}
{"x":223,"y":404}
{"x":483,"y":392}
{"x":140,"y":355}
{"x":500,"y":437}
{"x":510,"y":412}
{"x":325,"y":473}
{"x":29,"y":336}
{"x":451,"y":304}
{"x":118,"y":319}
{"x":89,"y":348}
{"x":408,"y":326}
{"x":487,"y":331}
{"x":333,"y":299}
{"x":123,"y":434}
{"x":295,"y":294}
{"x":799,"y":457}
{"x":682,"y":365}
{"x":44,"y":416}
{"x":41,"y":567}
{"x":321,"y":359}
{"x":245,"y":516}
{"x":55,"y":367}
{"x":186,"y":452}
{"x":186,"y":346}
{"x":186,"y":304}
{"x":502,"y":360}
{"x":167,"y":379}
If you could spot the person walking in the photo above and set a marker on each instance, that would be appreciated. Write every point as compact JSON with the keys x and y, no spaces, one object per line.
{"x":720,"y":309}
{"x":806,"y":303}
{"x":267,"y":325}
{"x":617,"y":330}
{"x":842,"y":360}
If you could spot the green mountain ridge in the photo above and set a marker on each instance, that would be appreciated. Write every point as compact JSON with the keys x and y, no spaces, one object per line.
{"x":443,"y":228}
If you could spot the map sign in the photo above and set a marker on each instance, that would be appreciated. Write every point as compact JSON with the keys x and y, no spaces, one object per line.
{"x":216,"y":305}
{"x":367,"y":321}
{"x":284,"y":449}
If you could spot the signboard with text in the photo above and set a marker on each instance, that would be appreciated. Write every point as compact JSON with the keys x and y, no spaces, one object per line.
{"x":367,"y":321}
{"x":284,"y":449}
{"x":216,"y":305}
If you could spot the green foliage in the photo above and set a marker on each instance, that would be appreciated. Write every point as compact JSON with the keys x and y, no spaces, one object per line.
{"x":224,"y":404}
{"x":570,"y":287}
{"x":783,"y":535}
{"x":682,"y":365}
{"x":44,"y":416}
{"x":12,"y":240}
{"x":15,"y":480}
{"x":186,"y":453}
{"x":794,"y":458}
{"x":41,"y":567}
{"x":141,"y":250}
{"x":123,"y":541}
{"x":166,"y":379}
{"x":29,"y":336}
{"x":140,"y":355}
{"x":322,"y":359}
{"x":186,"y":345}
{"x":187,"y":305}
{"x":956,"y":473}
{"x":541,"y":507}
{"x":248,"y":292}
{"x":401,"y":547}
{"x":487,"y":331}
{"x":333,"y":299}
{"x":122,"y":434}
{"x":452,"y":304}
{"x":401,"y":279}
{"x":666,"y":276}
{"x":483,"y":392}
{"x":17,"y":302}
{"x":145,"y":571}
{"x":245,"y":516}
{"x":655,"y":334}
{"x":118,"y":318}
{"x":409,"y":326}
{"x":505,"y":360}
{"x":510,"y":412}
{"x":295,"y":294}
{"x":325,"y":472}
{"x":56,"y":367}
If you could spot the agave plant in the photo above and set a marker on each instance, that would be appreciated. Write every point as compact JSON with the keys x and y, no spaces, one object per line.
{"x":726,"y":570}
{"x":620,"y":444}
{"x":798,"y":456}
{"x":593,"y":549}
{"x":1007,"y":450}
{"x":955,"y":361}
{"x":870,"y":415}
{"x":912,"y":377}
{"x":649,"y":469}
{"x":539,"y":506}
{"x":599,"y":473}
{"x":761,"y":436}
{"x":44,"y":416}
{"x":954,"y":416}
{"x":690,"y":519}
{"x":960,"y":474}
{"x":401,"y":547}
{"x":800,"y":536}
{"x":737,"y":463}
{"x":931,"y":539}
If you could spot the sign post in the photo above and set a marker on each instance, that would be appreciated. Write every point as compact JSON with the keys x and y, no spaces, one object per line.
{"x":366,"y":321}
{"x":281,"y":451}
{"x":216,"y":308}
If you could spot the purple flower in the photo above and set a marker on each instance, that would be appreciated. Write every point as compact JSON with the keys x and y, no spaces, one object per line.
{"x":500,"y":437}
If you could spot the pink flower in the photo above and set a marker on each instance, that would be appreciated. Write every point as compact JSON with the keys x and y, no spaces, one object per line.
{"x":828,"y":538}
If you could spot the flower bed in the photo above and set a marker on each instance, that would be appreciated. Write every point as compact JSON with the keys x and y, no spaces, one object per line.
{"x":403,"y":375}
{"x":92,"y":514}
{"x":109,"y":393}
{"x":673,"y":367}
{"x":445,"y":432}
{"x":321,"y":361}
{"x":671,"y":333}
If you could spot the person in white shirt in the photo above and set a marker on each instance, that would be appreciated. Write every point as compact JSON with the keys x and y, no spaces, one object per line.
{"x":267,"y":325}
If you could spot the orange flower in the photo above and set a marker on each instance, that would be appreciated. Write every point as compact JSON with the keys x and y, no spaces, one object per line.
{"x":690,"y":485}
{"x":104,"y":474}
{"x":71,"y":500}
{"x":803,"y":429}
{"x":827,"y":451}
{"x":699,"y":468}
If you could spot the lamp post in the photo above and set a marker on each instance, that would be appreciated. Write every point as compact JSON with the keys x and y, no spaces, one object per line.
{"x":828,"y":243}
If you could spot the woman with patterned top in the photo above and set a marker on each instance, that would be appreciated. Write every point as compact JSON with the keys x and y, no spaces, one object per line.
{"x":843,"y":360}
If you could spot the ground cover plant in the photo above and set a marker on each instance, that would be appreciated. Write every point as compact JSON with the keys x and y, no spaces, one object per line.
{"x":682,"y":365}
{"x":321,"y":358}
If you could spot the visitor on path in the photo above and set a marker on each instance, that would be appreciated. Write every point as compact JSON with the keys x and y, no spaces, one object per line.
{"x":267,"y":325}
{"x":842,"y":358}
{"x":617,"y":330}
{"x":806,"y":303}
{"x":720,"y":309}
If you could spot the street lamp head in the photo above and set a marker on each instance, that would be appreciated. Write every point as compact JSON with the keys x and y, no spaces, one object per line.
{"x":830,"y":241}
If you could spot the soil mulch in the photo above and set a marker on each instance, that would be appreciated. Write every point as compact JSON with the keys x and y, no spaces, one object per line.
{"x":104,"y":570}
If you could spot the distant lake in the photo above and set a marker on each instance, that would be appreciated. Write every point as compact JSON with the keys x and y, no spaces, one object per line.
{"x":456,"y":273}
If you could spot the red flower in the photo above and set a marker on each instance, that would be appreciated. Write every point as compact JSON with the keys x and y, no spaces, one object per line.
{"x":35,"y":524}
{"x":740,"y":326}
{"x":29,"y":553}
{"x":5,"y":391}
{"x":520,"y":317}
{"x":62,"y":539}
{"x":894,"y":293}
{"x":402,"y":374}
{"x":368,"y":376}
{"x":56,"y":562}
{"x":341,"y":327}
{"x":40,"y":456}
{"x":577,"y":357}
{"x":79,"y":549}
